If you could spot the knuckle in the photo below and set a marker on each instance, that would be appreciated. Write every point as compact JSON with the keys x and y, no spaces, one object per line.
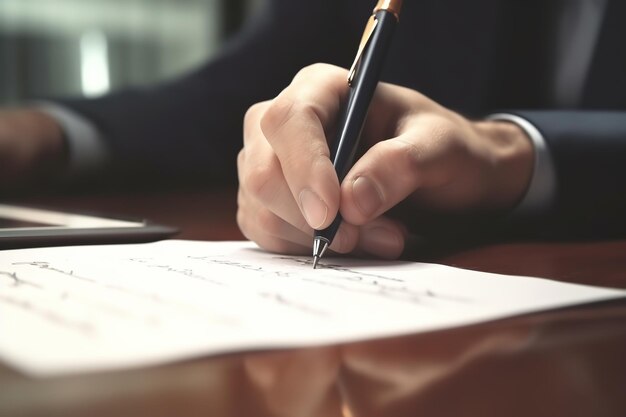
{"x":447,"y":135}
{"x":282,"y":111}
{"x":278,"y":124}
{"x":259,"y":180}
{"x":312,"y":70}
{"x":254,"y":111}
{"x":277,"y":114}
{"x":404,"y":156}
{"x":442,"y":128}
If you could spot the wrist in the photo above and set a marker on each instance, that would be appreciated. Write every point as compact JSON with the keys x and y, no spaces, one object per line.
{"x":511,"y":154}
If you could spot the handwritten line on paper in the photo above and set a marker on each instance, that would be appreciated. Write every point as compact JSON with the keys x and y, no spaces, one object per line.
{"x":358,"y":281}
{"x":108,"y":307}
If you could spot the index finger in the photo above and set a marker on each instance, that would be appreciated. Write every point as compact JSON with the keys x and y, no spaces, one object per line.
{"x":296,"y":126}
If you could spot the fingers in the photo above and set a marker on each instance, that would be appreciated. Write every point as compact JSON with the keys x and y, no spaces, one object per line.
{"x":274,"y":234}
{"x":383,"y":238}
{"x":269,"y":231}
{"x":267,"y":211}
{"x":441,"y":161}
{"x":295,"y":125}
{"x":416,"y":151}
{"x":288,"y":185}
{"x":384,"y":176}
{"x":261,"y":175}
{"x":421,"y":158}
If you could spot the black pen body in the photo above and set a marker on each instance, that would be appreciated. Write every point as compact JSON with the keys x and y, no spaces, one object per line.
{"x":355,"y":112}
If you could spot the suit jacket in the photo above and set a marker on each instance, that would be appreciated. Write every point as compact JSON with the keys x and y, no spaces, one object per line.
{"x":474,"y":57}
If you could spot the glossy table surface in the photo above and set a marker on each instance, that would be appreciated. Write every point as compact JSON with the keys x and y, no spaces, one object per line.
{"x":569,"y":362}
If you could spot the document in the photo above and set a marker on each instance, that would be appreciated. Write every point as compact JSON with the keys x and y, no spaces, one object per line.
{"x":88,"y":308}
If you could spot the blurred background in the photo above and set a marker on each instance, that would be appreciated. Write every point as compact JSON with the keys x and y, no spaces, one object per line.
{"x":91,"y":47}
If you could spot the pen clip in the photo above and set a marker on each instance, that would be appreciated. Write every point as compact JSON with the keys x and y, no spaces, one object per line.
{"x":392,"y":6}
{"x":367,"y":34}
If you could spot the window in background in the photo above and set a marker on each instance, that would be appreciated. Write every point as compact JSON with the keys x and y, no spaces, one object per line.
{"x":90,"y":47}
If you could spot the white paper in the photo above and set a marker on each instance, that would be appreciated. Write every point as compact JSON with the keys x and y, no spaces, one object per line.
{"x":74,"y":309}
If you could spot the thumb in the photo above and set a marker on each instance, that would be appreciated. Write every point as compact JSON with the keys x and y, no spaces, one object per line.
{"x":385,"y":175}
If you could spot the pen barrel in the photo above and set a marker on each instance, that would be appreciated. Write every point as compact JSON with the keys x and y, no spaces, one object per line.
{"x":329,"y":232}
{"x":361,"y":92}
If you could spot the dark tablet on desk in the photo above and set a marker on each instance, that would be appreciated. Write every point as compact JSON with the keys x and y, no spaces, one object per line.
{"x":23,"y":227}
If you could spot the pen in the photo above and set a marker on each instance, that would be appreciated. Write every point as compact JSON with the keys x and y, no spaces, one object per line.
{"x":362,"y":80}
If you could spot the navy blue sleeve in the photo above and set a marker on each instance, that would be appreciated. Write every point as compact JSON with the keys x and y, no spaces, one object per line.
{"x":190,"y":128}
{"x":588,"y":149}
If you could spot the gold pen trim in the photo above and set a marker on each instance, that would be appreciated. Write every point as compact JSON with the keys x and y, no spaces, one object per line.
{"x":392,"y":6}
{"x":367,"y":34}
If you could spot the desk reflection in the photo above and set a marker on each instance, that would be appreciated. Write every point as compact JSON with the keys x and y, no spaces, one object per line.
{"x":569,"y":362}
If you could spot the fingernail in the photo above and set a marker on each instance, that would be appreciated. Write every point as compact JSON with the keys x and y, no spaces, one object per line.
{"x":366,"y":196}
{"x":382,"y":242}
{"x":315,"y":210}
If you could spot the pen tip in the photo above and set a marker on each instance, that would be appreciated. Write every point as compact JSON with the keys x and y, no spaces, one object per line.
{"x":319,"y":247}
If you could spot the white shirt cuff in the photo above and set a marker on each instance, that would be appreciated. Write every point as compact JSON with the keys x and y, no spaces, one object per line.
{"x":86,"y":148}
{"x":542,"y":188}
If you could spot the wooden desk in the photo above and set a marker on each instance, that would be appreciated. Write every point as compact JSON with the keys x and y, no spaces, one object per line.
{"x":570,"y":362}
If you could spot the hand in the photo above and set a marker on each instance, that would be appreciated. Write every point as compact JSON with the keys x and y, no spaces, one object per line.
{"x":277,"y":378}
{"x":32,"y":148}
{"x":416,"y":151}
